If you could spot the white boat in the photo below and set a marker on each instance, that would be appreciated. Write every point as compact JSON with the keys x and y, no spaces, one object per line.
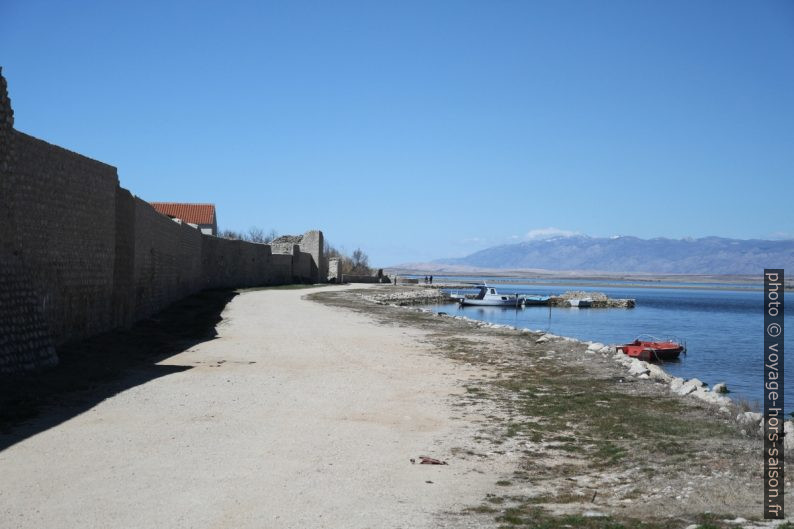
{"x":488,"y":296}
{"x":580,"y":302}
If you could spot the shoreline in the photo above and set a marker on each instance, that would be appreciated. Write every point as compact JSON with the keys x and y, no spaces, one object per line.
{"x":641,"y":369}
{"x":323,"y":393}
{"x":546,"y":385}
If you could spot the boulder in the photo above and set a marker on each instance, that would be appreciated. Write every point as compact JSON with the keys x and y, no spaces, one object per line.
{"x":621,"y":359}
{"x":709,"y":396}
{"x":657,"y":373}
{"x":788,"y":435}
{"x":638,"y":367}
{"x":689,"y":386}
{"x":697,"y":382}
{"x":749,"y":417}
{"x":607,"y":349}
{"x":676,"y":384}
{"x":720,"y":388}
{"x":595,"y":347}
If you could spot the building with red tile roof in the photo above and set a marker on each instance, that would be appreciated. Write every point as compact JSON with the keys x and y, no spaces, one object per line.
{"x":201,"y":215}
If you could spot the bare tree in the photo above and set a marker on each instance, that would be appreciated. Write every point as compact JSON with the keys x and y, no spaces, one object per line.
{"x":360,"y":262}
{"x":330,"y":251}
{"x":231,"y":234}
{"x":255,"y":234}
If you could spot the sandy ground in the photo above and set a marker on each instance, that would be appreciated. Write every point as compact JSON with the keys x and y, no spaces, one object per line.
{"x":298,"y":415}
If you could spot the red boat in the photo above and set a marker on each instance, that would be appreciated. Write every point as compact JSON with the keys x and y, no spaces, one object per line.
{"x":653,"y":349}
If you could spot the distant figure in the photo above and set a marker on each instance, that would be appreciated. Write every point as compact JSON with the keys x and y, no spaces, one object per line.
{"x":425,"y":280}
{"x":431,"y":280}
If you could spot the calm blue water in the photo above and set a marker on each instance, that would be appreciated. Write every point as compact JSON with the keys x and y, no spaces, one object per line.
{"x":723,"y":329}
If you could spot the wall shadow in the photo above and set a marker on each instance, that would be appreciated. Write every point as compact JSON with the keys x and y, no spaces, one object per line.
{"x":92,"y":370}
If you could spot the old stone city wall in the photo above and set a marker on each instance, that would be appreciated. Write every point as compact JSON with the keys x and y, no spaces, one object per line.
{"x":80,"y":255}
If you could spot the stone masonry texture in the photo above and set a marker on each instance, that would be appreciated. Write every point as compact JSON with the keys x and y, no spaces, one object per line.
{"x":80,"y":255}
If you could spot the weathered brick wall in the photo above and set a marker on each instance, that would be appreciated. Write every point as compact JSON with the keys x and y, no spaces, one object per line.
{"x":80,"y":255}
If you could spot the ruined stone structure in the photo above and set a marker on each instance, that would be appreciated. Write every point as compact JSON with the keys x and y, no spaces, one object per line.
{"x":334,"y":270}
{"x":80,"y":255}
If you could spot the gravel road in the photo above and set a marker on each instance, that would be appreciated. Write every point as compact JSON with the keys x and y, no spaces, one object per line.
{"x":297,"y":415}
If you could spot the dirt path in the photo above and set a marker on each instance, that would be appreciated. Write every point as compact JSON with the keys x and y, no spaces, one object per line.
{"x":298,"y":415}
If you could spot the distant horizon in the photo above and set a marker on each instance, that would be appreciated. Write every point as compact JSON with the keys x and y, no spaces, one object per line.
{"x":562,"y":234}
{"x":551,"y":250}
{"x":424,"y":130}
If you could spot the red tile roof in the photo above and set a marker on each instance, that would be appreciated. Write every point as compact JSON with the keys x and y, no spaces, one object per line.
{"x":193,"y":213}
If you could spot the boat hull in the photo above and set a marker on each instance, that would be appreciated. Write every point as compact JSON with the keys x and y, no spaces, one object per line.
{"x":491,"y":303}
{"x":536,"y":300}
{"x":652,"y":351}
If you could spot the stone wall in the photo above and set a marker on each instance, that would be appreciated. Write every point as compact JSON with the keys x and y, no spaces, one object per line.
{"x":167,"y":260}
{"x":25,"y":339}
{"x":312,"y":244}
{"x":351,"y":278}
{"x":80,"y":255}
{"x":63,"y":230}
{"x":334,"y":274}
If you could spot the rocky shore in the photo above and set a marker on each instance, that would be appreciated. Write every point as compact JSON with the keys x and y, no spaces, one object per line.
{"x":751,"y":421}
{"x":584,"y":437}
{"x":404,"y":296}
{"x":425,"y":294}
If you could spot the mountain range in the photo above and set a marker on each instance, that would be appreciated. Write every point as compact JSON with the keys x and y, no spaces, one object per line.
{"x":625,"y":254}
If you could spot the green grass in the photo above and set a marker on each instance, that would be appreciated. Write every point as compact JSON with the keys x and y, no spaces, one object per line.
{"x":586,"y":421}
{"x":529,"y":514}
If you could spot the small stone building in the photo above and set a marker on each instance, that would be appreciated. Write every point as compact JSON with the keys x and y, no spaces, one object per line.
{"x":200,"y":215}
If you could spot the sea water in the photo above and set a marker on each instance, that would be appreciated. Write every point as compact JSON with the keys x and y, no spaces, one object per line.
{"x":723,"y":329}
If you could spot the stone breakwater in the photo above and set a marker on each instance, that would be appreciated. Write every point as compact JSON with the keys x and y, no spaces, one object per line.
{"x":423,"y":292}
{"x":599,"y":300}
{"x":751,"y":423}
{"x":413,"y":296}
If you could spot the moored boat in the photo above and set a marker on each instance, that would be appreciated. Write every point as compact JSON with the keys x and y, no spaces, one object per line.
{"x":536,"y":300}
{"x":489,"y":297}
{"x":653,"y":349}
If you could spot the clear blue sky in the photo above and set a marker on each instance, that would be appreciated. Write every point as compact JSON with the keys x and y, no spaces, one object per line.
{"x":420,"y":130}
